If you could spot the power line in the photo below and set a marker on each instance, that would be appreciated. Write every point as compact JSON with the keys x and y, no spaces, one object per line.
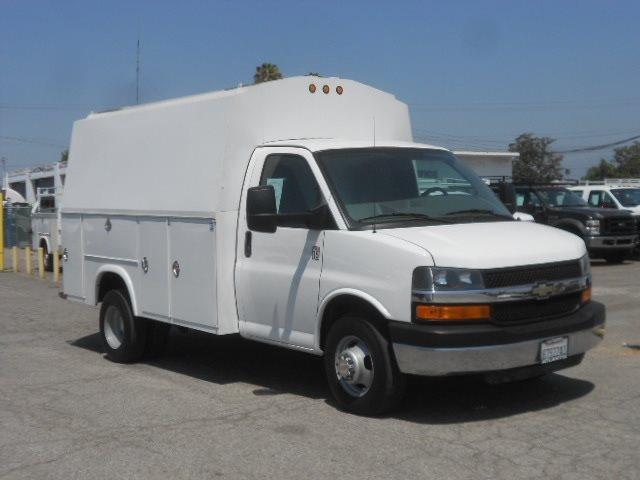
{"x":527,"y":106}
{"x":603,"y":146}
{"x":35,"y":141}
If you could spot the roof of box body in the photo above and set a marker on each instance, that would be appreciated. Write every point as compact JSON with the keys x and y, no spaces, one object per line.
{"x":320,"y":144}
{"x":191,"y":154}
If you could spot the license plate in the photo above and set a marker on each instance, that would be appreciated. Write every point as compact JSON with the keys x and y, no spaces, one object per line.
{"x":554,"y":350}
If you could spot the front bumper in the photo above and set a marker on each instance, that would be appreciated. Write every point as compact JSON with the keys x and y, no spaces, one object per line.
{"x":611,"y":242}
{"x":438,"y":350}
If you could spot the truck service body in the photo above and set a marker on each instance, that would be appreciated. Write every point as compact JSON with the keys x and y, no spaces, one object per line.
{"x":295,"y":231}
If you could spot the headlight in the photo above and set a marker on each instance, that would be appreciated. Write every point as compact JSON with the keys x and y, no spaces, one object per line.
{"x":593,"y":227}
{"x":437,"y":279}
{"x":585,"y":265}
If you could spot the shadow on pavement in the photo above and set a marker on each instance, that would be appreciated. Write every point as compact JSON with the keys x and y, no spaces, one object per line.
{"x":470,"y":399}
{"x":273,"y":370}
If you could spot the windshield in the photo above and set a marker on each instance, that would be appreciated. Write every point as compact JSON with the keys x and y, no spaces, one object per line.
{"x":628,"y":197}
{"x":561,"y":197}
{"x":384,"y":185}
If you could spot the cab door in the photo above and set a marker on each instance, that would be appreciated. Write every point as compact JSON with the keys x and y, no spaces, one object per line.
{"x":278,"y":274}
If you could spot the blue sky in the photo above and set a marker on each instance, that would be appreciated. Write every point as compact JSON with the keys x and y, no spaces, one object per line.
{"x":475,"y":73}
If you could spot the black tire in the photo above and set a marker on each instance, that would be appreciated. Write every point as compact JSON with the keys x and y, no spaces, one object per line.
{"x":157,"y":337}
{"x":48,"y":260}
{"x":130,"y":333}
{"x":387,"y":384}
{"x":615,"y":257}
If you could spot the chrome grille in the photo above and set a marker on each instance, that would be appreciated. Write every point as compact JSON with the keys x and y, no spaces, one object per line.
{"x":619,"y":226}
{"x":510,"y":313}
{"x":507,"y":277}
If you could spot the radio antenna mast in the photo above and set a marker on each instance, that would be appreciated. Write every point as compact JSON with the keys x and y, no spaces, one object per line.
{"x":138,"y":72}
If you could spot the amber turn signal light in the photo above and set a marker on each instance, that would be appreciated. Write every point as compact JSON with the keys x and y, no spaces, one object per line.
{"x":326,"y":89}
{"x":339,"y":90}
{"x":440,"y":313}
{"x":312,"y":88}
{"x":586,"y":295}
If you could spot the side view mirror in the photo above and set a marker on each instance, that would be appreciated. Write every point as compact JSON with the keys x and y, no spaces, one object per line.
{"x":507,"y":194}
{"x":262,"y":215}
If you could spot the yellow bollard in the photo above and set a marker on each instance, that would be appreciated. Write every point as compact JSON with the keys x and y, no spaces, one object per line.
{"x":14,"y":259}
{"x":41,"y":262}
{"x":28,"y":261}
{"x":56,"y":267}
{"x":1,"y":231}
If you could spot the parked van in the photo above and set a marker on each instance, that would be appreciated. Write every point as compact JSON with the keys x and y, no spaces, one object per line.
{"x":300,"y":213}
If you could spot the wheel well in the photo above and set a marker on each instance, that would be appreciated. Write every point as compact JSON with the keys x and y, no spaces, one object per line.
{"x":111,"y":281}
{"x":350,"y":305}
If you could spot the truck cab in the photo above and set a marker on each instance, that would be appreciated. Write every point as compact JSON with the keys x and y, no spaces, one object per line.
{"x":618,"y":197}
{"x":608,"y":234}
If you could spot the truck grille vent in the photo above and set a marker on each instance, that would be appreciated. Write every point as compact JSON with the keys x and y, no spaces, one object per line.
{"x":510,"y":313}
{"x":507,"y":277}
{"x":619,"y":226}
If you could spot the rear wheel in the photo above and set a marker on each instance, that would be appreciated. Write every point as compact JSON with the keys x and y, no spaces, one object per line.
{"x":361,"y":371}
{"x":123,"y":335}
{"x":48,"y":259}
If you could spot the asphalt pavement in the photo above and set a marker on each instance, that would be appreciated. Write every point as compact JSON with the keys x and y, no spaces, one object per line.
{"x":223,"y":407}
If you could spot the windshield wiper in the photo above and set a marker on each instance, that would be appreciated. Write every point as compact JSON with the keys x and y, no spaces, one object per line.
{"x":406,"y":215}
{"x":479,"y":210}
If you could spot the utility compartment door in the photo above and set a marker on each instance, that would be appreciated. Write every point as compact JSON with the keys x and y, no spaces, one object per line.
{"x":192,"y":266}
{"x":73,"y":277}
{"x":154,"y":257}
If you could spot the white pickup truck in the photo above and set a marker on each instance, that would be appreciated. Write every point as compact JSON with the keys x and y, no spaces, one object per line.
{"x":300,"y":213}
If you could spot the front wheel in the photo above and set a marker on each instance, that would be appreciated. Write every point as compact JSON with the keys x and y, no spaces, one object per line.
{"x":361,"y":370}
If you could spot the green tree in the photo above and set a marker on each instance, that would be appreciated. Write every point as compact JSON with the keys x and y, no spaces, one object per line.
{"x":537,"y":163}
{"x":627,"y":160}
{"x":267,"y":72}
{"x":605,"y":169}
{"x":64,"y":156}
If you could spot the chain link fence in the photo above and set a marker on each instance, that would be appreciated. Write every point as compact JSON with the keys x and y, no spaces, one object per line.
{"x":17,"y":225}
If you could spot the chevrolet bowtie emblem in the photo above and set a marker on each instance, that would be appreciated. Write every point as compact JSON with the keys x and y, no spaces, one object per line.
{"x":543,"y":290}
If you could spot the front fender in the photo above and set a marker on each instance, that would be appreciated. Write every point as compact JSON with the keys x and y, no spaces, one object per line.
{"x":126,"y":278}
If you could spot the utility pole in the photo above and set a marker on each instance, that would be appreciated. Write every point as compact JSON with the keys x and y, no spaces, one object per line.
{"x":138,"y":73}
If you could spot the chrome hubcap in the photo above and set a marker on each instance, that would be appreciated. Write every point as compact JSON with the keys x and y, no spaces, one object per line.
{"x":113,"y":327}
{"x":354,"y":366}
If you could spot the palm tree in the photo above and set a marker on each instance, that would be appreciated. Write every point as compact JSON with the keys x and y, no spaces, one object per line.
{"x":267,"y":72}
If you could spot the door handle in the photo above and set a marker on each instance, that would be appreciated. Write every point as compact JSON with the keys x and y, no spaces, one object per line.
{"x":247,"y":244}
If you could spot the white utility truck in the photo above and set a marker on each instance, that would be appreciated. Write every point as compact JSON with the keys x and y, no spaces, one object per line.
{"x":45,"y":224}
{"x":295,"y":212}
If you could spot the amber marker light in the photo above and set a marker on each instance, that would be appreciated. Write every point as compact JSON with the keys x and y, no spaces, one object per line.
{"x":326,"y":89}
{"x":586,"y":295}
{"x":312,"y":87}
{"x":339,"y":90}
{"x":444,"y":313}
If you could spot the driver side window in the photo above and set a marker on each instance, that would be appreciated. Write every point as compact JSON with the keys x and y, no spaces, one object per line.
{"x":295,"y":186}
{"x":600,"y":198}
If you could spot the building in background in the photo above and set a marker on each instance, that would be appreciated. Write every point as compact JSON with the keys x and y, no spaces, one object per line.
{"x":27,"y":181}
